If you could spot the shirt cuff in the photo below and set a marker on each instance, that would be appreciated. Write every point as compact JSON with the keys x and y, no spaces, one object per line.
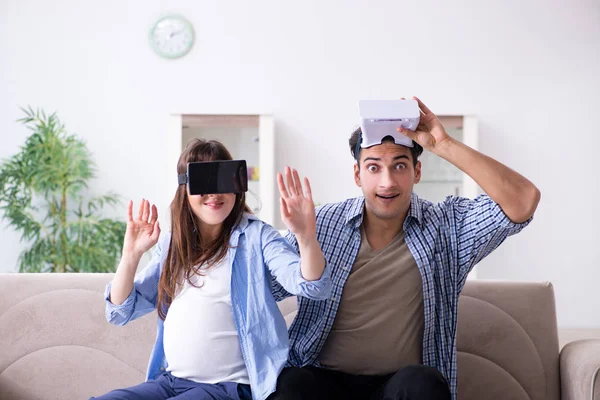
{"x":123,"y":310}
{"x":313,"y":287}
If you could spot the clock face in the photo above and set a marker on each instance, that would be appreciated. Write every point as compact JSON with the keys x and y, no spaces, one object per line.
{"x":172,"y":37}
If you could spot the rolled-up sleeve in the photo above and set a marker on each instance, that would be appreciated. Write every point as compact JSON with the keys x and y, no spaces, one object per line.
{"x":481,"y":226}
{"x":284,"y":264}
{"x":142,"y":299}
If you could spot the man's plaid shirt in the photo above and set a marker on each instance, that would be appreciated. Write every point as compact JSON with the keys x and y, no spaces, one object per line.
{"x":447,"y":240}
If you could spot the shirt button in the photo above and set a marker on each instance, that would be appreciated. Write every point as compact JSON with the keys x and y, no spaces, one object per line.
{"x":162,"y":368}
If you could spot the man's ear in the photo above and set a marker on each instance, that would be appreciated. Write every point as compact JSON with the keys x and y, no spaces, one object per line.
{"x":418,"y":172}
{"x":357,"y":174}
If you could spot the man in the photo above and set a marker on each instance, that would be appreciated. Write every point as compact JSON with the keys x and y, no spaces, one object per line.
{"x":398,"y":265}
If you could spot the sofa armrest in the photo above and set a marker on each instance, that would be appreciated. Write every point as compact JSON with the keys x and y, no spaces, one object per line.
{"x":580,"y":370}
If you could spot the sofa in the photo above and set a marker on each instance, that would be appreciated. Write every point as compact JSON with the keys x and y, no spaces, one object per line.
{"x":56,"y":344}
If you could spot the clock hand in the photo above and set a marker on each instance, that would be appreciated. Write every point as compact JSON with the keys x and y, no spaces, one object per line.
{"x":175,"y":33}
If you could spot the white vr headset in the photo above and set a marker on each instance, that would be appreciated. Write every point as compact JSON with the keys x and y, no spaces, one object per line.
{"x":381,"y":118}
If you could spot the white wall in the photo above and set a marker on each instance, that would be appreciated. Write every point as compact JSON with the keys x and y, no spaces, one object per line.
{"x":528,"y":69}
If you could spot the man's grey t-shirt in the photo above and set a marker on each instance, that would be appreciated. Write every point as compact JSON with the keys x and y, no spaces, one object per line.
{"x":379,"y":324}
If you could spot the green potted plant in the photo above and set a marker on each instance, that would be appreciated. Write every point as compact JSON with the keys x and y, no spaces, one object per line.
{"x":43,"y":196}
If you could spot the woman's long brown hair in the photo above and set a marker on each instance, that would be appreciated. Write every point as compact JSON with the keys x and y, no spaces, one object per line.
{"x":187,"y":250}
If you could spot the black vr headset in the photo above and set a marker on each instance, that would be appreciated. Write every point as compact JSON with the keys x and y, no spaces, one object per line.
{"x":214,"y":177}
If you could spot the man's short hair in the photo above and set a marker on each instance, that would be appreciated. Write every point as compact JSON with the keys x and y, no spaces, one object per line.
{"x":415,"y":151}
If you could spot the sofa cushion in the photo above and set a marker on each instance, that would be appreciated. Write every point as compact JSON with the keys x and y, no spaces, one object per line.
{"x":55,"y":342}
{"x":507,"y":342}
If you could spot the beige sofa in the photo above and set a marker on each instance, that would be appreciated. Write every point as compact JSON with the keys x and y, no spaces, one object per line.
{"x":56,"y":344}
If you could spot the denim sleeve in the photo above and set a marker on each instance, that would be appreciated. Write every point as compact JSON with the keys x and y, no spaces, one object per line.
{"x":284,"y":263}
{"x":481,"y":226}
{"x":142,"y":299}
{"x":279,"y":293}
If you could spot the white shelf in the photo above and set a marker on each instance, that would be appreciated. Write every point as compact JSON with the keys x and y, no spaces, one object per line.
{"x":439,"y":178}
